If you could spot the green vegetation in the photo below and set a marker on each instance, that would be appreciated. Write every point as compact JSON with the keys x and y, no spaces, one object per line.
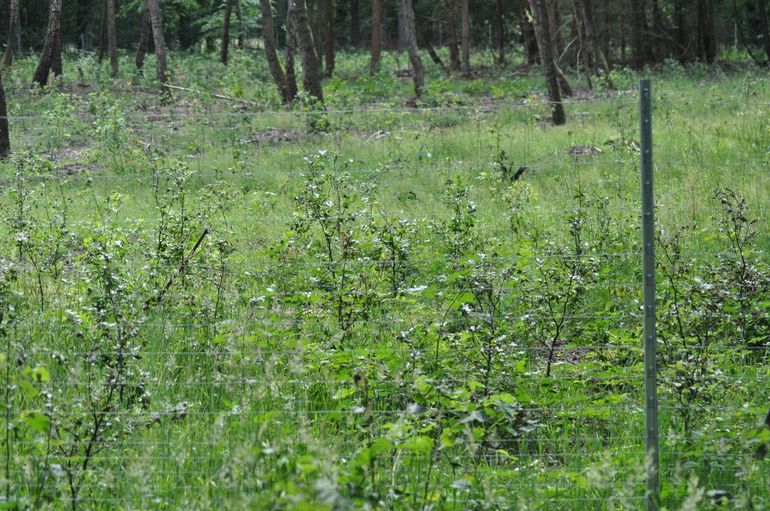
{"x":205,"y":304}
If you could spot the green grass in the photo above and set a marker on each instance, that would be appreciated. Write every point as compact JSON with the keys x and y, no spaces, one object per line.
{"x":264,"y":378}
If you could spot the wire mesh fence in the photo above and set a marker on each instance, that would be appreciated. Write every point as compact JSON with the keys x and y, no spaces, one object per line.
{"x":408,"y":308}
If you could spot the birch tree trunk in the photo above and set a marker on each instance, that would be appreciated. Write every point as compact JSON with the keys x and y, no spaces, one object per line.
{"x":273,"y":63}
{"x":311,"y":69}
{"x":156,"y":21}
{"x":554,"y":39}
{"x":410,"y":34}
{"x":145,"y":35}
{"x":542,"y":34}
{"x":50,"y":58}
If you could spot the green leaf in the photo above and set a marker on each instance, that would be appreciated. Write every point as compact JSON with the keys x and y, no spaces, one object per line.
{"x":36,"y":420}
{"x":418,"y":444}
{"x":380,"y":446}
{"x":40,"y":374}
{"x":29,"y":390}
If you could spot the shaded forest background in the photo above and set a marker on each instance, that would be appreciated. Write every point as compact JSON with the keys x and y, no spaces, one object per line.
{"x":631,"y":32}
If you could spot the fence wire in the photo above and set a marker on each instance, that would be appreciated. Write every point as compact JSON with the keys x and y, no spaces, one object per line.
{"x":488,"y":355}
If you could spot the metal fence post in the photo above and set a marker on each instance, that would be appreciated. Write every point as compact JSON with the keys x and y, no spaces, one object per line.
{"x":648,"y":279}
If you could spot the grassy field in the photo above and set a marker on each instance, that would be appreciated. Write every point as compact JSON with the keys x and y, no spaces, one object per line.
{"x":205,"y":304}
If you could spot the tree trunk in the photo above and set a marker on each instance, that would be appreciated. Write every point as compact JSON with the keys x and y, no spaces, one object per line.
{"x":311,"y":68}
{"x":355,"y":24}
{"x":268,"y":36}
{"x":112,"y":38}
{"x":223,"y":54}
{"x":102,"y":34}
{"x":156,"y":21}
{"x":585,"y":55}
{"x":542,"y":33}
{"x":552,"y":6}
{"x":466,"y":37}
{"x":50,"y":58}
{"x":374,"y":65}
{"x":593,"y":45}
{"x":500,"y":32}
{"x":241,"y":27}
{"x":554,"y":24}
{"x":763,"y":23}
{"x":454,"y":52}
{"x":291,"y":75}
{"x":706,"y":35}
{"x":5,"y":139}
{"x":622,"y":38}
{"x":641,"y":48}
{"x":13,"y":30}
{"x":328,"y":31}
{"x":144,"y":39}
{"x":425,"y":43}
{"x":530,"y":41}
{"x":84,"y":23}
{"x":410,"y":33}
{"x":316,"y":22}
{"x":657,"y":46}
{"x":682,"y":38}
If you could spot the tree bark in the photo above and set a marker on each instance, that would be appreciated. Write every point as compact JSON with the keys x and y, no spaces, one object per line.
{"x":551,"y":6}
{"x":112,"y":41}
{"x":466,"y":37}
{"x":291,"y":75}
{"x":763,"y":23}
{"x":500,"y":32}
{"x":13,"y":31}
{"x":5,"y":139}
{"x":102,"y":34}
{"x":156,"y":21}
{"x":355,"y":24}
{"x":241,"y":28}
{"x":706,"y":35}
{"x":145,"y":35}
{"x":84,"y":23}
{"x":585,"y":55}
{"x":543,"y":36}
{"x":311,"y":68}
{"x":640,"y":30}
{"x":657,"y":46}
{"x":593,"y":46}
{"x":454,"y":52}
{"x":425,"y":43}
{"x":328,"y":31}
{"x":554,"y":24}
{"x":374,"y":65}
{"x":530,"y":41}
{"x":50,"y":58}
{"x":410,"y":33}
{"x":223,"y":54}
{"x":273,"y":63}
